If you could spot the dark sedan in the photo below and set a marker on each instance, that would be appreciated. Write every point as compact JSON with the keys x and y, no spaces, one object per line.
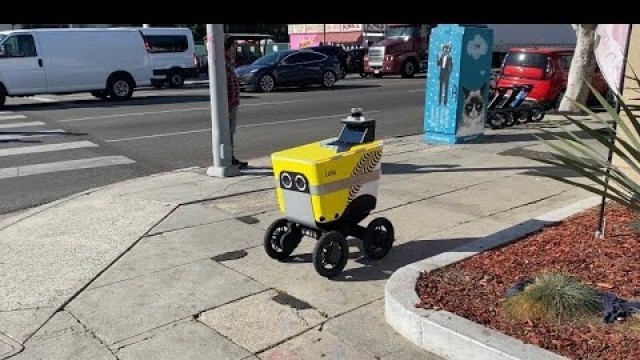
{"x":289,"y":68}
{"x":336,"y":51}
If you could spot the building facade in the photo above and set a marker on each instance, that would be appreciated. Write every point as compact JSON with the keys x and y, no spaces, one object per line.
{"x":346,"y":35}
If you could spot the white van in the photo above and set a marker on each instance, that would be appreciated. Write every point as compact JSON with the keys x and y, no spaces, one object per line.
{"x":172,"y":54}
{"x":109,"y":63}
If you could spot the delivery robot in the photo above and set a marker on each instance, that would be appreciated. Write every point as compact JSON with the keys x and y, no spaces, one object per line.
{"x":325,"y":189}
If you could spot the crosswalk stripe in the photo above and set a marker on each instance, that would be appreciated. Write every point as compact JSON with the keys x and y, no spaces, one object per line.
{"x":47,"y":148}
{"x":9,"y":137}
{"x":21,"y":125}
{"x":11,"y":117}
{"x":35,"y":169}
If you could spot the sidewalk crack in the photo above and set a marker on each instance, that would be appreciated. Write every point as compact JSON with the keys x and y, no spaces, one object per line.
{"x":88,"y":330}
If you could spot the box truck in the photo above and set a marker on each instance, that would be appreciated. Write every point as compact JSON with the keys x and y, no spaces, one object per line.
{"x":108,"y":63}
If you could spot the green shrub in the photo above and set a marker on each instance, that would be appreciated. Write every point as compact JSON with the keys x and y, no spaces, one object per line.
{"x":556,"y":297}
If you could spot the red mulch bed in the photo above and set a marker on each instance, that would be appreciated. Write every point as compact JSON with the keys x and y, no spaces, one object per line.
{"x":475,"y":287}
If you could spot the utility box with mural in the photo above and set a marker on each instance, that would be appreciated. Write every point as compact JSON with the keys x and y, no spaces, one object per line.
{"x":457,"y":87}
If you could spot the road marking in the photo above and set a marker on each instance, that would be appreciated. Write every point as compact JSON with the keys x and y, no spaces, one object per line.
{"x":134,"y":114}
{"x":46,"y":148}
{"x":27,"y":170}
{"x":159,"y":135}
{"x":11,"y":117}
{"x":416,"y":90}
{"x":274,"y":102}
{"x":21,"y":125}
{"x":239,"y":126}
{"x":20,"y":135}
{"x":170,"y":111}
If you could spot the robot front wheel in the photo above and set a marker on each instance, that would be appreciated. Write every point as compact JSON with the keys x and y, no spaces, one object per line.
{"x":281,"y":239}
{"x":330,"y":254}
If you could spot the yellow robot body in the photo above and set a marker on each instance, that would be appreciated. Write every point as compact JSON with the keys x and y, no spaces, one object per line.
{"x":316,"y":182}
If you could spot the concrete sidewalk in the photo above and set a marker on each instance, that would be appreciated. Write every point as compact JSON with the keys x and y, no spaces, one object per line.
{"x":171,"y":266}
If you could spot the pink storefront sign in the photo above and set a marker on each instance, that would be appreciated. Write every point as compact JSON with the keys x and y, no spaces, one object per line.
{"x":299,"y":41}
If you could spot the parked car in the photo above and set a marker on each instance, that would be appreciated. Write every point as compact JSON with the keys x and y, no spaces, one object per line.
{"x":336,"y":51}
{"x":108,"y":63}
{"x":355,"y":61}
{"x":547,"y":69}
{"x":289,"y":68}
{"x":172,"y":55}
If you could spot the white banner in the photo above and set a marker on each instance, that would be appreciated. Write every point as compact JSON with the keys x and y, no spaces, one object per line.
{"x":610,"y":45}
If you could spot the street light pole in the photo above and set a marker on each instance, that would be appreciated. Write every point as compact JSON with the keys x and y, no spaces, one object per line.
{"x":220,"y":136}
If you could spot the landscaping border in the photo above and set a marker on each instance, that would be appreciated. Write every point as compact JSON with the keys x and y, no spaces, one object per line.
{"x":451,"y":336}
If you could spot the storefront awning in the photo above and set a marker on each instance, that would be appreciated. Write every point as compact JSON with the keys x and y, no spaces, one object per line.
{"x":340,"y":38}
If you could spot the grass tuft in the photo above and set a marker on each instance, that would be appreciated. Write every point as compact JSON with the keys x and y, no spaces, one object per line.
{"x":556,"y":297}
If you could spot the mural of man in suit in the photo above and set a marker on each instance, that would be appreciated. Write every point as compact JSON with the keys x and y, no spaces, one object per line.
{"x":445,"y":63}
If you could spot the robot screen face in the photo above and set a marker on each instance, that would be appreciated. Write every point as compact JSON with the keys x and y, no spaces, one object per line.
{"x":294,"y":181}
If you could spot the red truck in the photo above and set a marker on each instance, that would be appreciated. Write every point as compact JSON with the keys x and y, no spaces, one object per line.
{"x":403,"y":51}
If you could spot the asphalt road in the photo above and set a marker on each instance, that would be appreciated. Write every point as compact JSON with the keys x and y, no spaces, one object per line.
{"x":54,"y":146}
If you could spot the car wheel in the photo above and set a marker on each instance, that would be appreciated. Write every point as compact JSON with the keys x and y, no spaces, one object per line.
{"x":175,"y":79}
{"x":408,"y":68}
{"x":266,"y":83}
{"x":120,"y":88}
{"x":363,"y":74}
{"x":328,"y":79}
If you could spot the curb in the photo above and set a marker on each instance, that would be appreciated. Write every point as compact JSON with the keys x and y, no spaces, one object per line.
{"x":448,"y":335}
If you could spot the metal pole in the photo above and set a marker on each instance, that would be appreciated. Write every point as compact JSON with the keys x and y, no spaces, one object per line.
{"x":220,"y":137}
{"x":601,"y":225}
{"x":324,"y":34}
{"x":364,"y":35}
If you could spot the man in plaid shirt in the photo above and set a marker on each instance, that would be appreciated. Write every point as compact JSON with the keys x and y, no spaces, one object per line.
{"x":233,"y":94}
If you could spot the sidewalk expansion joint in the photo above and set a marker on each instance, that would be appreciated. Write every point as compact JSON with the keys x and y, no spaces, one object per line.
{"x":199,"y":313}
{"x":220,"y":197}
{"x":153,"y":332}
{"x":25,"y":309}
{"x":85,"y":286}
{"x":93,"y":334}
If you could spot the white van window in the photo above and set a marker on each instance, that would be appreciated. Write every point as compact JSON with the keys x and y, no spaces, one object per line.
{"x":166,"y":43}
{"x":20,"y":46}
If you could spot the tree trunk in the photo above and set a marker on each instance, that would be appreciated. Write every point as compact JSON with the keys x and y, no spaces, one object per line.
{"x":583,"y":66}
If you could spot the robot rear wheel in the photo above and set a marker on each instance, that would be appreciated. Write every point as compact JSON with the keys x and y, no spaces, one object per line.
{"x":378,"y":238}
{"x":281,"y":239}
